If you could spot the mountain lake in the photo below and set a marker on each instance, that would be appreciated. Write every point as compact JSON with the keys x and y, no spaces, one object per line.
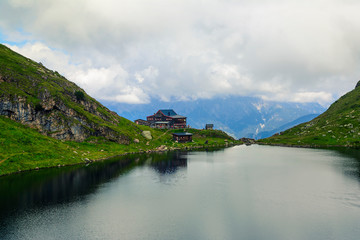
{"x":242,"y":192}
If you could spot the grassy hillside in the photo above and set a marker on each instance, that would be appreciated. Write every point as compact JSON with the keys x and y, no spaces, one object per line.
{"x":23,"y":148}
{"x":338,"y":126}
{"x":42,"y":98}
{"x":47,"y":121}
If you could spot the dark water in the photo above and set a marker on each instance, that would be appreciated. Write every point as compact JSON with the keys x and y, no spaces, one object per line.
{"x":255,"y":192}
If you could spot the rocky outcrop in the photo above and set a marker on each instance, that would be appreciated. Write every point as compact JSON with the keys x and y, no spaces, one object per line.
{"x":53,"y":118}
{"x":162,"y":148}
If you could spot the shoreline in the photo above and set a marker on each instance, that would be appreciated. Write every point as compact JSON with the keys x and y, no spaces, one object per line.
{"x":156,"y":150}
{"x":308,"y":146}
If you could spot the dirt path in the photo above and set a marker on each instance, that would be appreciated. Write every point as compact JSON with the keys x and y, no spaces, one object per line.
{"x":162,"y":134}
{"x":3,"y":160}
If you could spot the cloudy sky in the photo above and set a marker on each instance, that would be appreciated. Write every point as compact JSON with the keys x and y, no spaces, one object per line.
{"x":135,"y":50}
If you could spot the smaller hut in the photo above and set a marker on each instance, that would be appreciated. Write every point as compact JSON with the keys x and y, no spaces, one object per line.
{"x":142,"y":122}
{"x":182,"y":137}
{"x":209,"y":126}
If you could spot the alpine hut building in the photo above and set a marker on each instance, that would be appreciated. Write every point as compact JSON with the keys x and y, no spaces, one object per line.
{"x":166,"y":118}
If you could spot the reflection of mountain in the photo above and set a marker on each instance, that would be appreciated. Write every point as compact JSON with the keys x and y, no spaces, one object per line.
{"x":60,"y":185}
{"x":172,"y":162}
{"x":350,"y":167}
{"x":53,"y":186}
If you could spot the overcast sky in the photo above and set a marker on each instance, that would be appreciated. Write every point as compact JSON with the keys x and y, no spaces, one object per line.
{"x":135,"y":50}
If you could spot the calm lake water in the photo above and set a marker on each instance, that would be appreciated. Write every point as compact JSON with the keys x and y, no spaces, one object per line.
{"x":256,"y":192}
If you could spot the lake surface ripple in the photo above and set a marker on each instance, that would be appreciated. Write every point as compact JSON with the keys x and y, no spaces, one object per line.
{"x":256,"y":192}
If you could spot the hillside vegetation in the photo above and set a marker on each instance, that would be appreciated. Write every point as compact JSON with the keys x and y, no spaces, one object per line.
{"x":23,"y":148}
{"x":338,"y":126}
{"x":45,"y":100}
{"x":47,"y":121}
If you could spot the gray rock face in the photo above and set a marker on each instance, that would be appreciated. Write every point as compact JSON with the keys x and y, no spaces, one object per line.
{"x":53,"y":118}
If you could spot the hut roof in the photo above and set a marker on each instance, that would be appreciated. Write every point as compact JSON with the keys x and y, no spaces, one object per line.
{"x":168,"y":112}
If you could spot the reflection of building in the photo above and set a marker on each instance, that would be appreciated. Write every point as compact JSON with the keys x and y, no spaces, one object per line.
{"x":171,"y":162}
{"x":182,"y":137}
{"x":167,"y":118}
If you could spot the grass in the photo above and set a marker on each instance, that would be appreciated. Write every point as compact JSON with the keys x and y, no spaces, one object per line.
{"x":23,"y":148}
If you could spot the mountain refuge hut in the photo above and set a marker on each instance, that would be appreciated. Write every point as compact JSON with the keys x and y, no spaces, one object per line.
{"x":209,"y":126}
{"x":166,"y":118}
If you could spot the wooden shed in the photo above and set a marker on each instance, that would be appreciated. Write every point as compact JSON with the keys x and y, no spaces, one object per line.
{"x":209,"y":126}
{"x":182,"y":137}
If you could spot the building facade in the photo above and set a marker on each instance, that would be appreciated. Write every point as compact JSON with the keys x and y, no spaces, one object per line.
{"x":166,"y":118}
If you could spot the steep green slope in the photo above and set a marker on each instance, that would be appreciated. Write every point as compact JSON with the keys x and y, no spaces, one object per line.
{"x":23,"y":148}
{"x":43,"y":99}
{"x":338,"y":126}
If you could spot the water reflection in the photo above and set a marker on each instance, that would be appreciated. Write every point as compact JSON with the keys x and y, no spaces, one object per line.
{"x":351,"y":165}
{"x":256,"y":192}
{"x":51,"y":186}
{"x":169,"y":163}
{"x":59,"y":185}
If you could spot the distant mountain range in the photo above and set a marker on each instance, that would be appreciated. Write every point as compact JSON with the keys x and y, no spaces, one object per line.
{"x":238,"y":116}
{"x":286,"y":126}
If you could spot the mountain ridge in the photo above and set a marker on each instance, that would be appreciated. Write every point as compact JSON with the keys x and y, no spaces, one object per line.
{"x":238,"y":116}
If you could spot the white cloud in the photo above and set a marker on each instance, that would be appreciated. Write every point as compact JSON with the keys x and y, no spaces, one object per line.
{"x":321,"y":97}
{"x":56,"y":59}
{"x":111,"y":83}
{"x":132,"y":50}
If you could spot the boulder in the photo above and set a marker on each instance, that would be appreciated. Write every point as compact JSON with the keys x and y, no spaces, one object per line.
{"x":162,"y":148}
{"x":147,"y":134}
{"x":136,"y":140}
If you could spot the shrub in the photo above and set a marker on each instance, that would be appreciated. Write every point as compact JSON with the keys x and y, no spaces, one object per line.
{"x":79,"y":95}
